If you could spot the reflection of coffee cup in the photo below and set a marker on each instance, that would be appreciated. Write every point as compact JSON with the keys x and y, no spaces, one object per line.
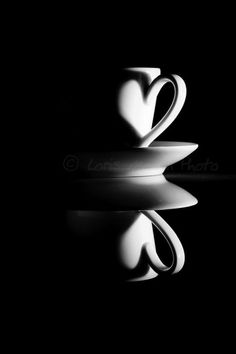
{"x":126,"y":238}
{"x":139,"y":239}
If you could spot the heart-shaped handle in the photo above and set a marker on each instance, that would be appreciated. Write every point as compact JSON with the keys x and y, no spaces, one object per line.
{"x":178,"y":256}
{"x":138,"y":108}
{"x":180,"y":92}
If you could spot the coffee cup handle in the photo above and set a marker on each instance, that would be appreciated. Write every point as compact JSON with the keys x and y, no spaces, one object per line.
{"x":180,"y":92}
{"x":178,"y":255}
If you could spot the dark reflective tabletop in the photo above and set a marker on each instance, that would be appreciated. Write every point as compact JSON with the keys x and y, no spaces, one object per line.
{"x":95,"y":250}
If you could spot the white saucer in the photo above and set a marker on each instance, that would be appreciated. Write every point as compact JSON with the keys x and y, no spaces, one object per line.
{"x":152,"y":160}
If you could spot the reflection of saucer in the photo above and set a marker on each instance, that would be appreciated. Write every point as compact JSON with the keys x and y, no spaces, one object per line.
{"x":152,"y":160}
{"x":130,"y":193}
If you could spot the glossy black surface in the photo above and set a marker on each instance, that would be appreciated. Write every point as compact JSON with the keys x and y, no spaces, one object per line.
{"x":80,"y":273}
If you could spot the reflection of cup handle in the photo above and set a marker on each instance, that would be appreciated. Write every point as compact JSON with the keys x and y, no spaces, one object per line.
{"x":173,"y":242}
{"x":176,"y":105}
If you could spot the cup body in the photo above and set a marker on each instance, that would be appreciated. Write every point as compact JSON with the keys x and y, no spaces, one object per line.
{"x":109,"y":109}
{"x":132,"y":101}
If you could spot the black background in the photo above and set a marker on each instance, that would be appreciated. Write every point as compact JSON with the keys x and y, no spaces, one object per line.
{"x":199,"y":46}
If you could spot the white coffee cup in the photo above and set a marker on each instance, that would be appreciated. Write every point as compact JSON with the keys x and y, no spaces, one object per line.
{"x":137,"y":100}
